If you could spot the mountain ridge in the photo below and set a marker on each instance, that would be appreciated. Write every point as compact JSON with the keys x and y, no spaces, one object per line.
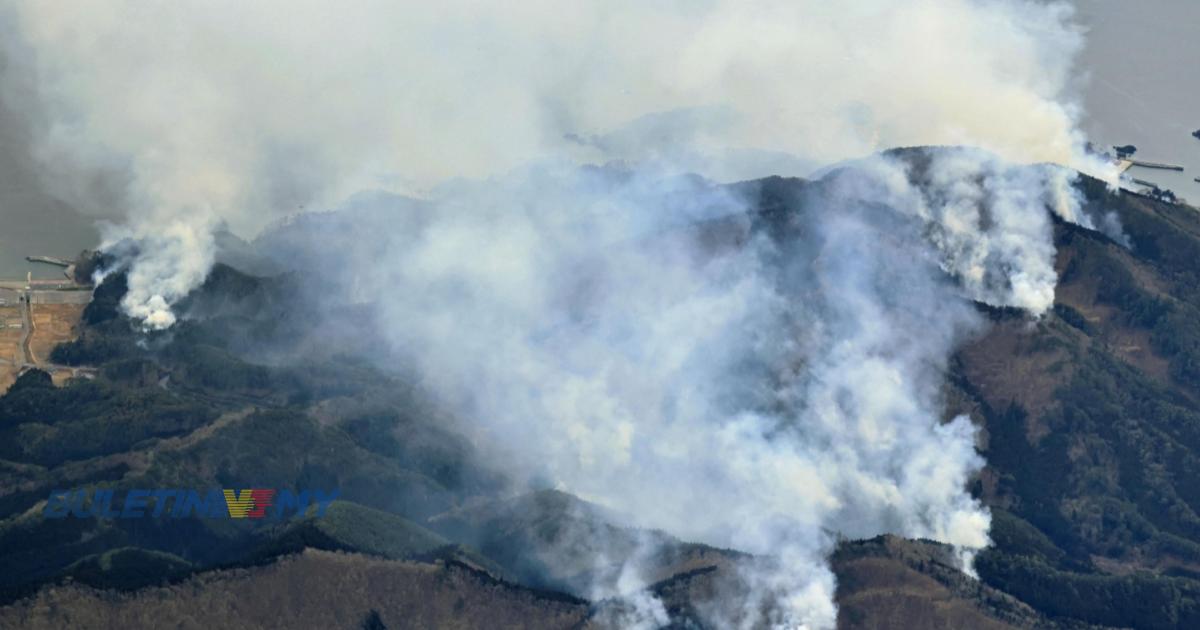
{"x":1088,"y":415}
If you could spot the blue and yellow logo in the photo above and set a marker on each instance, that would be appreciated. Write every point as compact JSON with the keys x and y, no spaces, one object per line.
{"x":175,"y":503}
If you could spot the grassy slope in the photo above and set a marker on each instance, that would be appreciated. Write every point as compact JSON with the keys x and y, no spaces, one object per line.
{"x":1092,"y":428}
{"x":1089,"y":417}
{"x":315,"y":589}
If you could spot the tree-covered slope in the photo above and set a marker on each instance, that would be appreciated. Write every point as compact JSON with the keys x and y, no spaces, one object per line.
{"x":1089,"y":417}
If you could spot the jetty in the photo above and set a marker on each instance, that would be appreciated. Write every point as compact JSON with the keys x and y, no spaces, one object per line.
{"x":1158,"y":165}
{"x":67,"y":265}
{"x":49,"y":260}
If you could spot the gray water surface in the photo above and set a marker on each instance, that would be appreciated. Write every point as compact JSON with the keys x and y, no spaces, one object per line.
{"x":34,"y":223}
{"x":1143,"y":84}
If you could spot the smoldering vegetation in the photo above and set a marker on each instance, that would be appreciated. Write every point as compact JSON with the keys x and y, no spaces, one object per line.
{"x":340,"y":402}
{"x":287,"y":119}
{"x":597,"y":335}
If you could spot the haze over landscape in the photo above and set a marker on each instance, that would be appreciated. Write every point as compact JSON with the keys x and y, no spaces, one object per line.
{"x":733,"y":315}
{"x":1135,"y":69}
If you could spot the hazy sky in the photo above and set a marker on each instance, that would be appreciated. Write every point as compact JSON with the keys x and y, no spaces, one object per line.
{"x":1142,"y":87}
{"x":32,"y":222}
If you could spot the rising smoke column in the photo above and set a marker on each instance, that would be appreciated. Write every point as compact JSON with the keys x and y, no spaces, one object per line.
{"x":765,"y":396}
{"x":227,"y":113}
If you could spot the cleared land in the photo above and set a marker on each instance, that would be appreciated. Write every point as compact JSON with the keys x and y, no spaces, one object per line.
{"x":11,"y":356}
{"x":52,"y":325}
{"x":54,"y":316}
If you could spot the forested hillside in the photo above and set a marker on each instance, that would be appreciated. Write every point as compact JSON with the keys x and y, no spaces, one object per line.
{"x":1091,"y":432}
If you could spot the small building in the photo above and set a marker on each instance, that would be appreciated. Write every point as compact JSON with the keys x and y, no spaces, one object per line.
{"x":1125,"y":151}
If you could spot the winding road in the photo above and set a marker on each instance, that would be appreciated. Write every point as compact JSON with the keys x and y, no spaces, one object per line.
{"x":27,"y":329}
{"x":50,"y":293}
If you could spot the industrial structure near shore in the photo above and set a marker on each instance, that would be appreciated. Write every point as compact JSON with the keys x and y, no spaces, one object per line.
{"x":37,"y":315}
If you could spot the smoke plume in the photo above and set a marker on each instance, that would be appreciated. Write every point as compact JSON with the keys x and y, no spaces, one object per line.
{"x":765,"y":391}
{"x":768,"y":391}
{"x":239,"y":113}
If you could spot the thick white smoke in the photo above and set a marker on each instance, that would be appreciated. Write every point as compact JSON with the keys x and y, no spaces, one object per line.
{"x":245,"y":111}
{"x":758,"y":396}
{"x":765,"y":392}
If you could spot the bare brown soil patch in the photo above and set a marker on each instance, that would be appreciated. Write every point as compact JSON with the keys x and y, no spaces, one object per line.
{"x":315,"y":589}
